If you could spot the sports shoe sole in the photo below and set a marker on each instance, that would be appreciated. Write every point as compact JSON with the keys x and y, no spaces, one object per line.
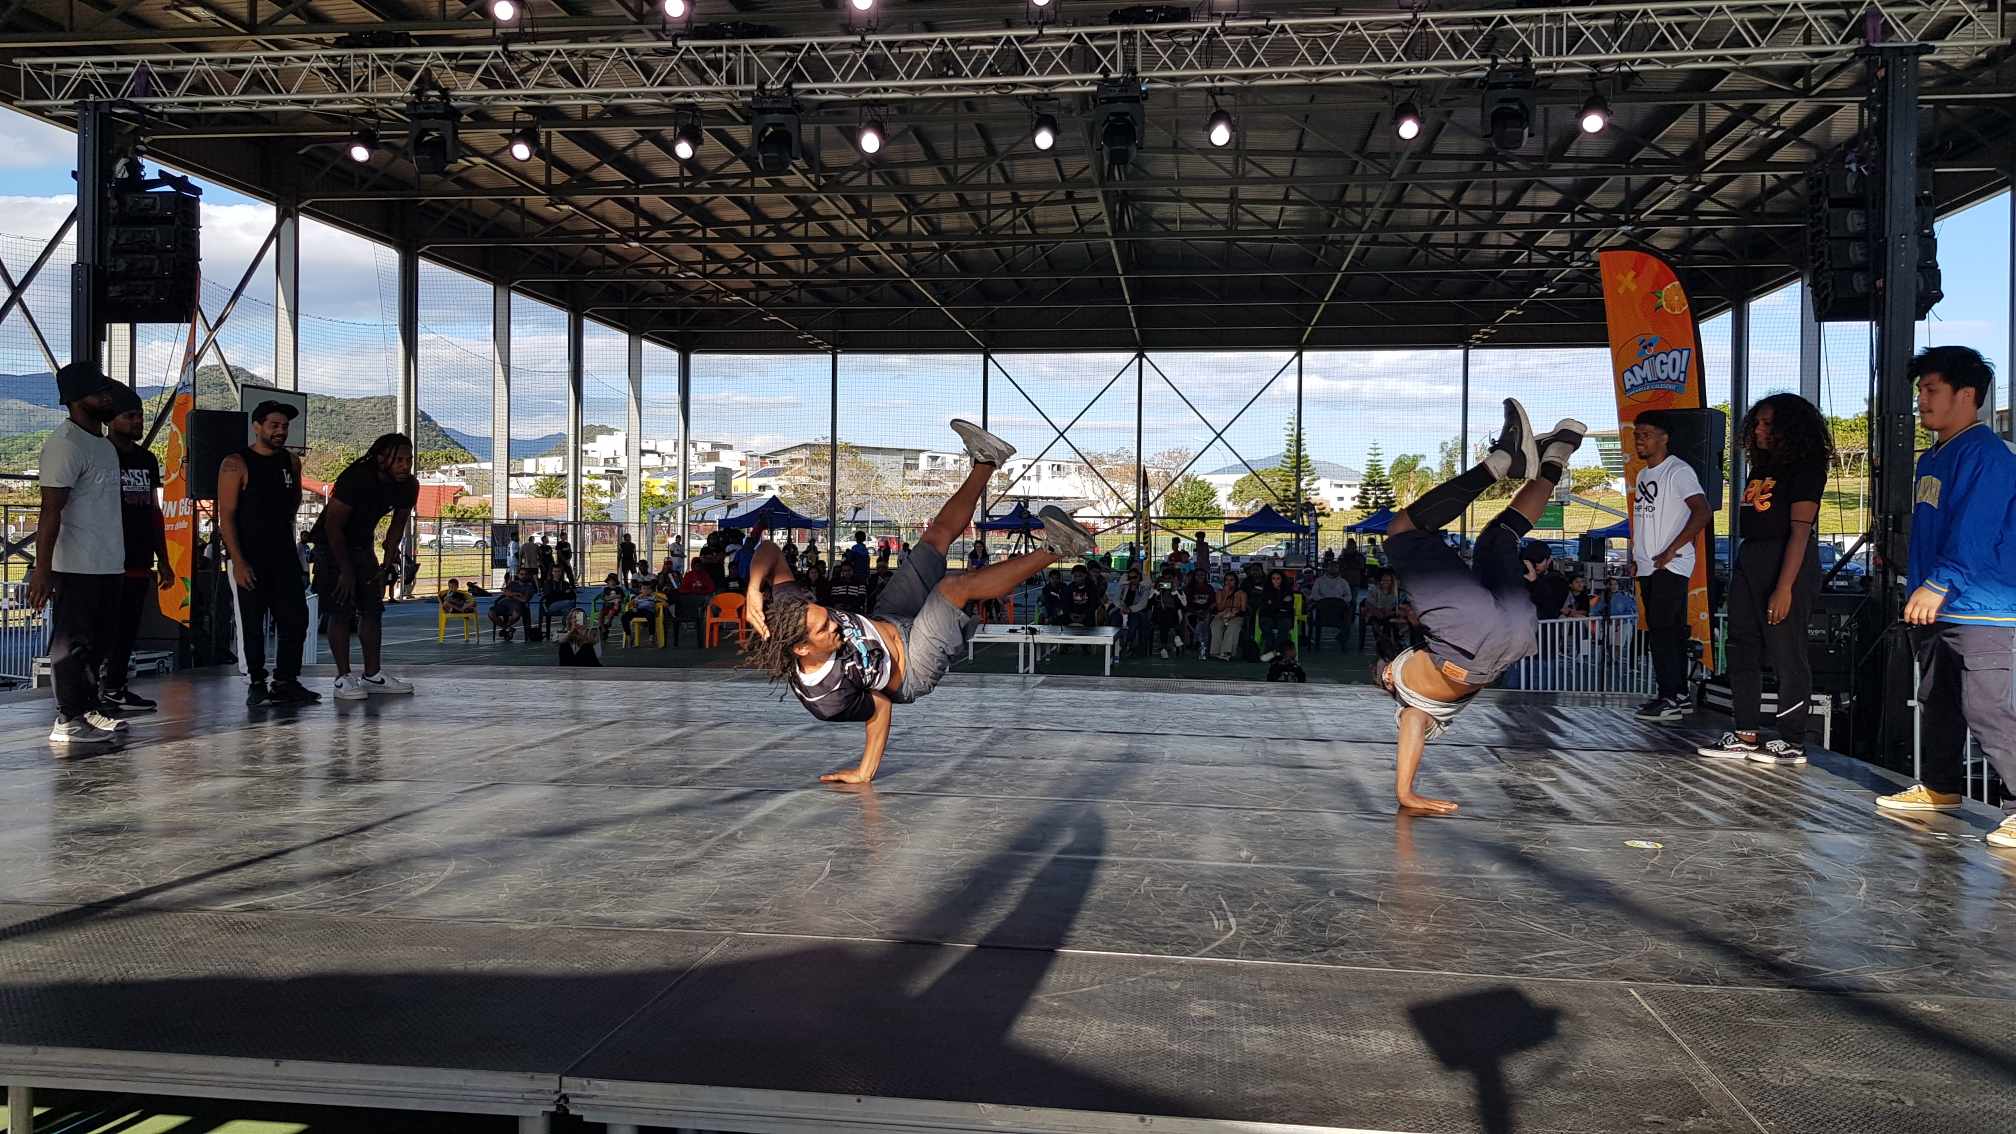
{"x":1884,"y":803}
{"x":82,"y":741}
{"x":1529,"y":445}
{"x":1768,"y":758}
{"x":1075,"y":539}
{"x":2002,"y":838}
{"x":1662,"y":716}
{"x":352,"y":695}
{"x":1565,"y":425}
{"x":1721,"y":754}
{"x":375,"y":691}
{"x":993,"y":450}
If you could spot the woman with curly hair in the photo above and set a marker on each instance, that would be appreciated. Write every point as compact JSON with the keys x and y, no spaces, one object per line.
{"x":1775,"y":578}
{"x":846,"y":666}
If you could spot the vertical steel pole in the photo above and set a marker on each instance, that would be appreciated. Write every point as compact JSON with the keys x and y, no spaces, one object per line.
{"x":500,"y":402}
{"x":987,"y":493}
{"x":1463,"y":437}
{"x":1739,"y":403}
{"x":2008,"y":405}
{"x":633,"y":442}
{"x":685,"y":445}
{"x":833,"y":453}
{"x":576,"y":363}
{"x":20,"y":1107}
{"x":93,"y":123}
{"x":287,"y":297}
{"x":1809,"y":344}
{"x":1302,"y":509}
{"x":1140,"y":476}
{"x":406,"y":402}
{"x":120,"y":344}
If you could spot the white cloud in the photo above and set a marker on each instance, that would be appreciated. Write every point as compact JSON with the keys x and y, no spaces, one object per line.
{"x":26,"y":143}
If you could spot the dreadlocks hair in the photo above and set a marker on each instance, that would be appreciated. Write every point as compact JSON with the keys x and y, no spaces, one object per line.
{"x":388,"y":443}
{"x":1799,"y":435}
{"x":785,"y":614}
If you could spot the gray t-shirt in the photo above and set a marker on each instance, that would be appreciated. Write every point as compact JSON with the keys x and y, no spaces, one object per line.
{"x":92,"y":541}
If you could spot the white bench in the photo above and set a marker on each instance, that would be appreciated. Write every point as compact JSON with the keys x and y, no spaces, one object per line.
{"x":1029,"y":639}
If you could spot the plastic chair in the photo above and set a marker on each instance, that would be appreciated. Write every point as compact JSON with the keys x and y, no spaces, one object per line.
{"x":657,"y":623}
{"x":726,"y":610}
{"x":467,"y":618}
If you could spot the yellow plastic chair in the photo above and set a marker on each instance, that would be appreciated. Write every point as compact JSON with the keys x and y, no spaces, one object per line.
{"x":657,"y":622}
{"x":467,"y":618}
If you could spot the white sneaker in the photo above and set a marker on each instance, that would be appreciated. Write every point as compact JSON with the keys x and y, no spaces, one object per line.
{"x":982,"y":446}
{"x":381,"y":683}
{"x":1779,"y":752}
{"x":1268,"y":656}
{"x":109,"y":724}
{"x":1064,"y":535}
{"x":350,"y":687}
{"x":79,"y":730}
{"x":1561,"y":444}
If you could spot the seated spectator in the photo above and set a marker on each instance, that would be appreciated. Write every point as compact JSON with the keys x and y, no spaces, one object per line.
{"x":1277,"y":615}
{"x":558,"y":598}
{"x":579,"y":645}
{"x":1579,"y":598}
{"x":455,"y":600}
{"x":1056,"y":598}
{"x":1228,"y":617}
{"x":643,"y":608}
{"x":514,"y":604}
{"x":1329,"y":599}
{"x":1165,"y":612}
{"x":976,"y":555}
{"x":1079,"y":602}
{"x":1285,"y":667}
{"x":821,"y":587}
{"x":1198,"y":599}
{"x":612,"y":599}
{"x":1130,"y":613}
{"x":696,"y":582}
{"x":1381,"y":612}
{"x":847,"y":591}
{"x":876,"y":582}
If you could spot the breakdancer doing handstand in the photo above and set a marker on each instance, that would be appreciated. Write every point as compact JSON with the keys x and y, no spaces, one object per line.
{"x":1478,"y":617}
{"x":857,"y":667}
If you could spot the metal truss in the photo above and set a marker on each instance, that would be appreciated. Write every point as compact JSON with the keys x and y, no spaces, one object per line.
{"x":1750,"y":38}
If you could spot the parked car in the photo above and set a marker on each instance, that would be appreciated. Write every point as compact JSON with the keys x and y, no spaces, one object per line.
{"x":453,"y":539}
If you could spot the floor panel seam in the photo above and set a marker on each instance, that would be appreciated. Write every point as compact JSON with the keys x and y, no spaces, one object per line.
{"x":1698,"y":1061}
{"x":633,"y":1017}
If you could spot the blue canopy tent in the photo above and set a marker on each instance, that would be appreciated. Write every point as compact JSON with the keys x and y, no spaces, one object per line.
{"x":1016,"y":519}
{"x":1266,"y":520}
{"x":772,"y":513}
{"x":1619,"y":530}
{"x":1375,"y":523}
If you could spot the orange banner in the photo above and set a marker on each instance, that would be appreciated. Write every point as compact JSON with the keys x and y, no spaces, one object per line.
{"x":178,"y":512}
{"x":1655,"y":357}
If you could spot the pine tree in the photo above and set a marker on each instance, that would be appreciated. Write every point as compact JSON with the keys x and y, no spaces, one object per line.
{"x":1298,"y":470}
{"x":1377,"y":490}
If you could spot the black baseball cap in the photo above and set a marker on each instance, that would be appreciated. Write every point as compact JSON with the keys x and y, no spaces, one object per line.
{"x":80,"y":380}
{"x":286,"y":409}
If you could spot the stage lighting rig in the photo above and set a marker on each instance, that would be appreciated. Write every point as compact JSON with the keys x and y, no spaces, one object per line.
{"x":774,"y":143}
{"x":1219,"y":128}
{"x":1045,"y":132}
{"x":1407,"y":121}
{"x":1595,"y":115}
{"x":363,"y":144}
{"x":1508,"y":108}
{"x":432,"y":122}
{"x":1119,"y":118}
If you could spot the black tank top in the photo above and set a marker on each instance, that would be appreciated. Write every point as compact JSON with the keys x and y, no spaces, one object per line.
{"x":267,"y":506}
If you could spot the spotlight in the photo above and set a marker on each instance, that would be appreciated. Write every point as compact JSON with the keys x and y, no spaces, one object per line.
{"x":686,"y":140}
{"x":524,"y":143}
{"x":1120,"y":120}
{"x":1595,"y":115}
{"x":1407,"y":121}
{"x":773,"y":133}
{"x":870,"y":137}
{"x":431,"y":132}
{"x":504,"y":11}
{"x":1046,"y":131}
{"x":1508,"y":108}
{"x":1220,"y":128}
{"x":1042,"y":13}
{"x":861,"y":5}
{"x":363,"y":143}
{"x":675,"y":9}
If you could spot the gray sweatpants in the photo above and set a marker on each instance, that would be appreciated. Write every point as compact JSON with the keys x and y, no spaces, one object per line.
{"x":935,"y":632}
{"x":1967,"y":681}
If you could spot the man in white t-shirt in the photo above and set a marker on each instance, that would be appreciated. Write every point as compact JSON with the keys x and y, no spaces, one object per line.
{"x":1668,"y":513}
{"x":80,"y":554}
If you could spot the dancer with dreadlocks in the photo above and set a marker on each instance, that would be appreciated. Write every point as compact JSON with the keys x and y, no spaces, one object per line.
{"x":1478,"y":618}
{"x":857,"y":667}
{"x":351,"y":579}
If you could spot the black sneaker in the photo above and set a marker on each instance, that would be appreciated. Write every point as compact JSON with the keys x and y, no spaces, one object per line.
{"x":257,"y":694}
{"x":1516,"y":441}
{"x":1730,"y":747}
{"x":1779,"y":752}
{"x":292,"y":693}
{"x":126,"y":701}
{"x":1661,"y":709}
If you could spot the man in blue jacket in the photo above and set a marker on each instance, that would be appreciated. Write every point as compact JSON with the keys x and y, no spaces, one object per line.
{"x":1963,"y":585}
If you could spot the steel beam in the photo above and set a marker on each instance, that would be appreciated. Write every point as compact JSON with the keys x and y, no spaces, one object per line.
{"x":1408,"y":47}
{"x":1809,"y":344}
{"x":500,"y":401}
{"x":1894,"y":419}
{"x":406,"y":399}
{"x":685,"y":443}
{"x":120,"y":345}
{"x":287,"y":297}
{"x":633,"y":440}
{"x":576,"y":366}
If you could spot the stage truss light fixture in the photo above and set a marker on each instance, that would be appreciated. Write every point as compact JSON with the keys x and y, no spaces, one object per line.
{"x":870,"y":136}
{"x":1045,"y":133}
{"x":676,"y":9}
{"x":1595,"y":115}
{"x":1508,"y":108}
{"x":431,"y":126}
{"x":774,"y":143}
{"x":363,"y":144}
{"x":1219,"y":129}
{"x":1407,"y":121}
{"x":505,"y":13}
{"x":524,"y":143}
{"x":1042,"y":13}
{"x":1120,"y":120}
{"x":687,"y":139}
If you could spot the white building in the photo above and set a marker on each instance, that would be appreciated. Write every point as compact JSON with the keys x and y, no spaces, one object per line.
{"x":893,"y":462}
{"x":1336,"y":486}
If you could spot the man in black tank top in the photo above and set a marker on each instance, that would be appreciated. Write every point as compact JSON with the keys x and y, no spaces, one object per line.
{"x":258,"y":494}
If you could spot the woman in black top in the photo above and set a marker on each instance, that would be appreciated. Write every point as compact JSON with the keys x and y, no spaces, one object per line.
{"x":1776,"y":577}
{"x":1277,"y":615}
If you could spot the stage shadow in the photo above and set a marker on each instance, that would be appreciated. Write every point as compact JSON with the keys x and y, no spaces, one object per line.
{"x":1476,"y":1033}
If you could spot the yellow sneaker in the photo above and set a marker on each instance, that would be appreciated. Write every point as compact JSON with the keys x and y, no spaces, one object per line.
{"x":1921,"y":798}
{"x":2005,"y":835}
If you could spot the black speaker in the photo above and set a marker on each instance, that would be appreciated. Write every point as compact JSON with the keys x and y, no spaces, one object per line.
{"x":213,"y":436}
{"x":1701,"y":438}
{"x":151,"y":256}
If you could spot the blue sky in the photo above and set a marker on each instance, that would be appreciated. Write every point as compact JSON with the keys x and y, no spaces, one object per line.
{"x":1406,"y":401}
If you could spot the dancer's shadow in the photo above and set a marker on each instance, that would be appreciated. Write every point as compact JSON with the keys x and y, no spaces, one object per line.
{"x":1476,"y":1033}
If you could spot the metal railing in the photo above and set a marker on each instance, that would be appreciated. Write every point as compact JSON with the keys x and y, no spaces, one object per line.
{"x":1586,"y":655}
{"x":24,"y":633}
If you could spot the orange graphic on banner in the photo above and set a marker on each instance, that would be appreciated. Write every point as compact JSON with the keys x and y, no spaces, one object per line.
{"x":178,"y":511}
{"x":1655,"y":359}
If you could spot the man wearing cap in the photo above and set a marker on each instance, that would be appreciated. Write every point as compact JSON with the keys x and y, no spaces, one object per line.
{"x":146,"y":539}
{"x":80,"y":554}
{"x":258,"y":494}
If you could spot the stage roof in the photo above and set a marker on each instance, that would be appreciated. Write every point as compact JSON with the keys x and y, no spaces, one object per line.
{"x":1317,"y":226}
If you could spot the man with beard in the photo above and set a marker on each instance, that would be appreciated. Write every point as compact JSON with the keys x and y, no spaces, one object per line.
{"x":350,"y":579}
{"x":146,"y":540}
{"x":80,"y":554}
{"x":258,"y":495}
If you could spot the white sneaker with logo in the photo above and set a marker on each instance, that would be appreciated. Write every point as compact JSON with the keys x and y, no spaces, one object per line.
{"x":382,"y":683}
{"x":108,"y":723}
{"x":350,"y":687}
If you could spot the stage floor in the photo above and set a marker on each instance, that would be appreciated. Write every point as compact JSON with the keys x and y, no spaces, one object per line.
{"x":1066,"y":904}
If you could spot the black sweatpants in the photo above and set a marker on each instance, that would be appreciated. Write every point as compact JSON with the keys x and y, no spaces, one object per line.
{"x":1663,"y":597}
{"x":282,"y":594}
{"x":1753,"y":639}
{"x":1967,"y":680}
{"x":134,"y":591}
{"x":80,"y":633}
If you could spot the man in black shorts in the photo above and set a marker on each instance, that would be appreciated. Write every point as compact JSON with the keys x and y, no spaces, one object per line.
{"x":854,"y":667}
{"x":348,"y":577}
{"x":1477,"y":616}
